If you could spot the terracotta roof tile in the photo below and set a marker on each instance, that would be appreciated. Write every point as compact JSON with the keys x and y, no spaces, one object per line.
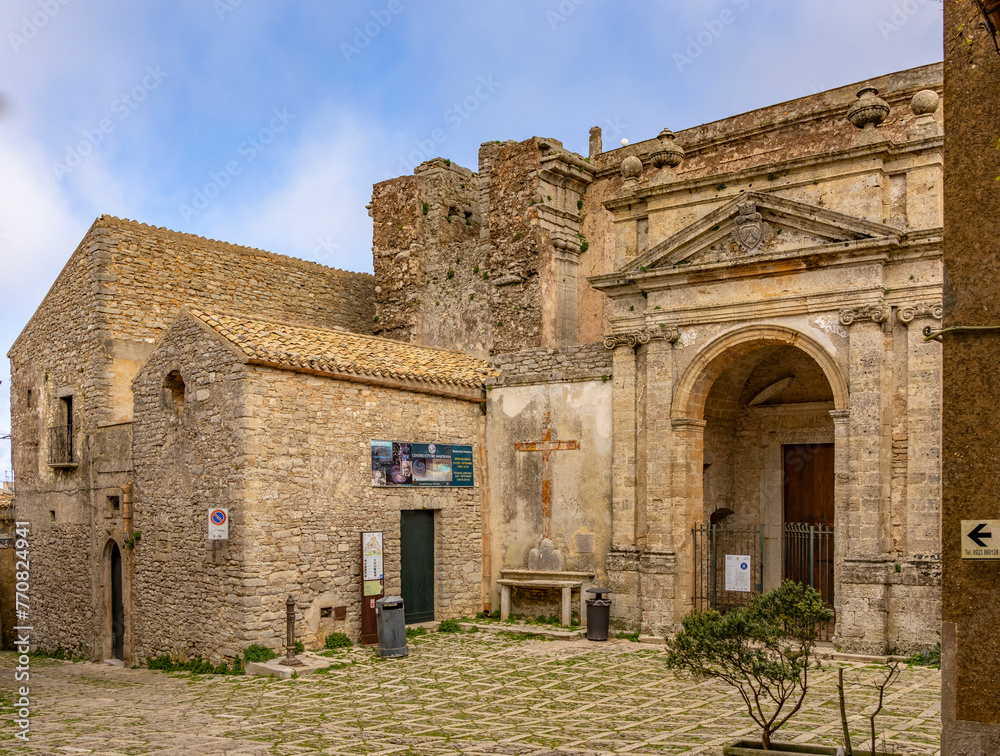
{"x":333,"y":351}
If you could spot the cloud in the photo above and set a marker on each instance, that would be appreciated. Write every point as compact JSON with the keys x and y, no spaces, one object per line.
{"x":314,"y":206}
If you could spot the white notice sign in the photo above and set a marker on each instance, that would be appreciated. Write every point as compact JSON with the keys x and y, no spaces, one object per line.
{"x":738,"y":573}
{"x":980,"y":539}
{"x":371,"y":553}
{"x":218,"y":524}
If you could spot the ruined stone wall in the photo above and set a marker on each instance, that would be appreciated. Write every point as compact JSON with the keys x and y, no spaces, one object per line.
{"x":191,"y":595}
{"x":309,"y":496}
{"x":431,"y":265}
{"x":487,"y":262}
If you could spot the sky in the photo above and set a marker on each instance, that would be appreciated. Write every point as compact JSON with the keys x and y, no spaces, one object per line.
{"x":266,"y":123}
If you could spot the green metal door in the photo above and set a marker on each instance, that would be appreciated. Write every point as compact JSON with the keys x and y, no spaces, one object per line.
{"x":416,"y":556}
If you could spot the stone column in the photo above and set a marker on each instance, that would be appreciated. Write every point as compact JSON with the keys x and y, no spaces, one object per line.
{"x":861,"y":621}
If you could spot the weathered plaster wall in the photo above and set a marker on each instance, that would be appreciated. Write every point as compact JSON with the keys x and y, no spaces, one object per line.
{"x":533,"y":384}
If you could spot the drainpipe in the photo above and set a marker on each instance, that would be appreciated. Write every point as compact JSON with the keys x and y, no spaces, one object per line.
{"x":127,"y":508}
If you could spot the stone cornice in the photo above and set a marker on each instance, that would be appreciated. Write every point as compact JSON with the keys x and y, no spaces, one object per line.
{"x":670,"y":334}
{"x":907,"y":313}
{"x":739,"y":176}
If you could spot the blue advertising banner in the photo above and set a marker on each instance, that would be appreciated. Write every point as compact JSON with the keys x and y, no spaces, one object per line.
{"x":395,"y":463}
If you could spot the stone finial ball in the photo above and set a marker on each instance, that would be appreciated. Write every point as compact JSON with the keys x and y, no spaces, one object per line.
{"x":631,"y":167}
{"x":924,"y":102}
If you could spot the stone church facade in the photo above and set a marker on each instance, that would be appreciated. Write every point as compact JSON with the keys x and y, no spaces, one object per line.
{"x":716,"y":328}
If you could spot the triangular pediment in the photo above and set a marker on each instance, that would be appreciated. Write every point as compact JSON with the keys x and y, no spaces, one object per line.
{"x":757,"y":224}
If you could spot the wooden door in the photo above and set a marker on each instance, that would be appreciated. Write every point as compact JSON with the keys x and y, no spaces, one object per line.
{"x":808,"y":499}
{"x":416,"y":557}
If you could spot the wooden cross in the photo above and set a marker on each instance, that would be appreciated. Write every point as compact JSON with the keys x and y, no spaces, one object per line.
{"x":546,"y":446}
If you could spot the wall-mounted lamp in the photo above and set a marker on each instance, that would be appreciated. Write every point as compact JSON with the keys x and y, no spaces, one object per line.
{"x":991,"y":12}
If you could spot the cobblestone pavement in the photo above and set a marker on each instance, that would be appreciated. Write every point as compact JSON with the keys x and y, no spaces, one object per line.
{"x":454,"y":694}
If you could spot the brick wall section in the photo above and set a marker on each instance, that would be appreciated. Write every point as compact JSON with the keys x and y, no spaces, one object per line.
{"x":519,"y":250}
{"x":289,"y":454}
{"x":586,"y":362}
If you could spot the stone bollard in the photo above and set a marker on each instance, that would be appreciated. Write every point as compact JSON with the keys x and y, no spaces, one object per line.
{"x":290,"y":660}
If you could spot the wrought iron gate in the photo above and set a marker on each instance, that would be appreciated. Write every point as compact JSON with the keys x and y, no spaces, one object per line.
{"x":807,"y":555}
{"x":711,"y":545}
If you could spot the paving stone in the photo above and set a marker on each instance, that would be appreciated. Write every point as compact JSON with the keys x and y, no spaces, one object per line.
{"x":478,"y":694}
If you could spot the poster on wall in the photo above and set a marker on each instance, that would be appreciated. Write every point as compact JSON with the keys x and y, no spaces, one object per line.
{"x":397,"y":463}
{"x":738,"y":573}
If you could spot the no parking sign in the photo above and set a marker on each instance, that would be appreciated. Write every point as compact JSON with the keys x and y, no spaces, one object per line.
{"x":218,"y":524}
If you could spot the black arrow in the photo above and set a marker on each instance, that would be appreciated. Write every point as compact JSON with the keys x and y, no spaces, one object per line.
{"x":978,"y":535}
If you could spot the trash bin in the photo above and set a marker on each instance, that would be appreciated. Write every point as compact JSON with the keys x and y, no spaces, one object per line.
{"x":598,"y":614}
{"x":391,"y":627}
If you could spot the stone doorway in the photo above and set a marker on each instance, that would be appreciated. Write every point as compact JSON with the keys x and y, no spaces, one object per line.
{"x":114,"y":643}
{"x":767,"y":417}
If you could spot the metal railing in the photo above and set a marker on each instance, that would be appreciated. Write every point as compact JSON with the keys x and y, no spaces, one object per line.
{"x":712,"y":543}
{"x":807,"y":552}
{"x":61,"y":445}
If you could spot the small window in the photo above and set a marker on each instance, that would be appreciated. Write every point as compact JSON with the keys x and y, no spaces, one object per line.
{"x":114,"y":503}
{"x":30,"y":404}
{"x":52,"y":515}
{"x":325,"y":612}
{"x":173,"y":392}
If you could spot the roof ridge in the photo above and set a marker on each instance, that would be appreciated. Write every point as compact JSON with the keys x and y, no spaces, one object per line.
{"x":111,"y":221}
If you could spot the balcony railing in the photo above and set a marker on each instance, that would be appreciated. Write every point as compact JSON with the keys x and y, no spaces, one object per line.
{"x":61,"y":452}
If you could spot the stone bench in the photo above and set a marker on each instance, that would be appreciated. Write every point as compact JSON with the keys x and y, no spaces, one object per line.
{"x":564,"y":581}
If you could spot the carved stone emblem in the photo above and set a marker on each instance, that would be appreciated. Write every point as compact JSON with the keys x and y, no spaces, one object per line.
{"x":670,"y":334}
{"x":751,"y":230}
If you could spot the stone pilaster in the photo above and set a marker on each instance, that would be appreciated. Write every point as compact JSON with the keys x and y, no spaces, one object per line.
{"x":687,"y":441}
{"x":653,"y":514}
{"x":623,"y":447}
{"x":923,"y":421}
{"x":861,"y":586}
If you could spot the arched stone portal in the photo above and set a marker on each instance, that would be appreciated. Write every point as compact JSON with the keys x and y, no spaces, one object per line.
{"x":754,"y":419}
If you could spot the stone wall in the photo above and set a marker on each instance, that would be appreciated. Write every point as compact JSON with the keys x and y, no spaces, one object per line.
{"x":191,"y":595}
{"x":309,"y":497}
{"x":116,"y":295}
{"x":289,"y":454}
{"x":546,"y":365}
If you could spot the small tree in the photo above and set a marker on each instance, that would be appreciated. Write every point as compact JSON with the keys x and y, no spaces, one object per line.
{"x":764,"y":650}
